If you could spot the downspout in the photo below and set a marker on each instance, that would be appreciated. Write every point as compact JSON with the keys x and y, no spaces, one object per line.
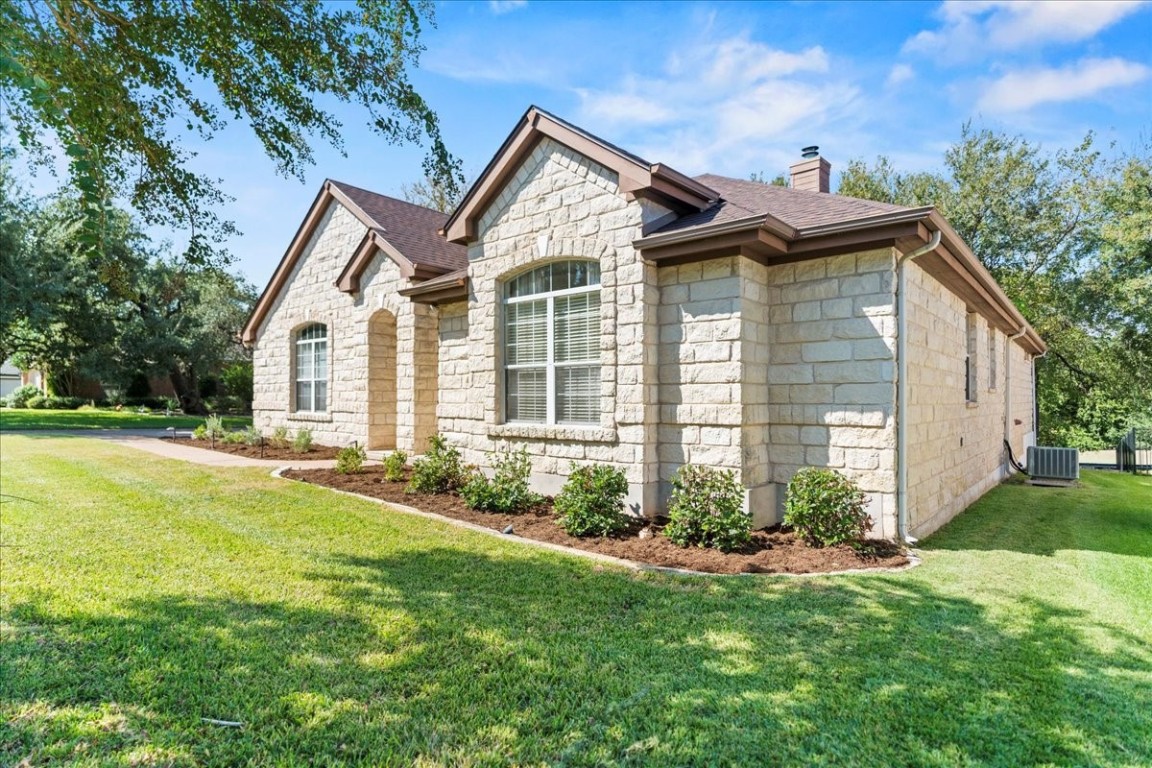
{"x":1008,"y":394}
{"x":902,"y":386}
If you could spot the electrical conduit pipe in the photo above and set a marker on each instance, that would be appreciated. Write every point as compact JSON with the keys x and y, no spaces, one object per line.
{"x":902,"y":386}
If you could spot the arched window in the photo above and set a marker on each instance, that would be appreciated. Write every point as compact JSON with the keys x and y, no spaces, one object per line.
{"x":552,"y":344}
{"x":311,"y":378}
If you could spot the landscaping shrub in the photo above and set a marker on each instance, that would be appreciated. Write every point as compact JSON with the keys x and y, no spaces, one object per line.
{"x":707,"y":509}
{"x":508,"y":490}
{"x":64,"y":403}
{"x":279,"y":438}
{"x":394,"y":466}
{"x":592,"y":501}
{"x":37,"y":402}
{"x":237,"y":381}
{"x":438,"y":470}
{"x":21,"y":395}
{"x":214,"y":427}
{"x":824,"y":508}
{"x":302,"y":443}
{"x":200,"y":433}
{"x":350,"y":459}
{"x":252,"y":436}
{"x":234,"y":438}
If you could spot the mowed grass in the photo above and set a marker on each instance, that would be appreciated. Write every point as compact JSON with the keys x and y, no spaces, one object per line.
{"x":103,"y":418}
{"x":139,"y":597}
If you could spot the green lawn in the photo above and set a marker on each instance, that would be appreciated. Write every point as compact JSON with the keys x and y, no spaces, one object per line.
{"x":141,"y":596}
{"x":24,"y":418}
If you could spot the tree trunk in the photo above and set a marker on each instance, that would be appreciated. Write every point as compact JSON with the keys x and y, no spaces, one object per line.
{"x":187,"y":393}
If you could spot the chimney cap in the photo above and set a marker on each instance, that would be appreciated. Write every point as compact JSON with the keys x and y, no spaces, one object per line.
{"x":810,"y":152}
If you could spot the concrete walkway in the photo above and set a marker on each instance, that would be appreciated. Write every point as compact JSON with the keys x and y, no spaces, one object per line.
{"x":155,"y":441}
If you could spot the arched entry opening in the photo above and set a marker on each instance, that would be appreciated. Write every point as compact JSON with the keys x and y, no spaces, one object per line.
{"x":382,"y":381}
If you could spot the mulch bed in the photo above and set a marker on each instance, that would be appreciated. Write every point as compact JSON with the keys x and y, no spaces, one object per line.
{"x":253,"y":451}
{"x":773,"y":550}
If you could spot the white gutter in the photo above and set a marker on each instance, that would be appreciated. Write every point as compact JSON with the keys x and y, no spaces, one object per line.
{"x":1008,"y":390}
{"x":902,"y":386}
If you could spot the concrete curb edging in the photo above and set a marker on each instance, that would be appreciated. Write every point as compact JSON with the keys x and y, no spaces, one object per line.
{"x":914,"y":560}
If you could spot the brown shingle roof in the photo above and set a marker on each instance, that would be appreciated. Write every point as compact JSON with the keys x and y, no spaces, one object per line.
{"x":740,"y":199}
{"x":412,"y":229}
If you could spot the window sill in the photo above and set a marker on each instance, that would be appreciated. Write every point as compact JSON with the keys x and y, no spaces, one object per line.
{"x":973,"y":403}
{"x":316,"y":416}
{"x":568,"y":432}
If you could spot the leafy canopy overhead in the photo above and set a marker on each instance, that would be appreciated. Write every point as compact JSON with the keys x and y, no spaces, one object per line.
{"x":118,"y":83}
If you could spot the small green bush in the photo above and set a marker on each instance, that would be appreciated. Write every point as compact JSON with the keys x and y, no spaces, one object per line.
{"x":439,"y":470}
{"x":36,"y":402}
{"x":350,"y":459}
{"x":302,"y":443}
{"x":214,"y":427}
{"x":21,"y":395}
{"x":508,"y":490}
{"x":234,"y":438}
{"x":707,"y":509}
{"x":279,"y":438}
{"x":592,"y":501}
{"x":252,"y":436}
{"x":394,"y":466}
{"x":200,"y":433}
{"x":825,"y":508}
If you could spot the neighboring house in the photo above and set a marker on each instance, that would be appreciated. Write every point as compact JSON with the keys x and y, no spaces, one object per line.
{"x":9,"y":378}
{"x":595,"y":307}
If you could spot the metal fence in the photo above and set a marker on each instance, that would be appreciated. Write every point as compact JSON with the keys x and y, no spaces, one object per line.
{"x":1134,"y":451}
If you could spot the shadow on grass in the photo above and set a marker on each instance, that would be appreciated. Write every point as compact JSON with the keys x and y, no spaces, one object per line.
{"x":1108,"y":512}
{"x":454,"y":657}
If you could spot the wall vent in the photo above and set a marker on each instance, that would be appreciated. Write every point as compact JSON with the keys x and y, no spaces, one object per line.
{"x":1053,"y":463}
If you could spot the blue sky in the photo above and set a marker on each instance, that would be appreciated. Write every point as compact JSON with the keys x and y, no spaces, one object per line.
{"x":731,"y":88}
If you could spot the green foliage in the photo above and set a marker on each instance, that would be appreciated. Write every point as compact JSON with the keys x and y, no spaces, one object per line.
{"x":302,"y":442}
{"x":394,"y":466}
{"x":214,"y":427}
{"x":279,"y":438}
{"x":252,"y":436}
{"x":200,"y":433}
{"x":508,"y":490}
{"x":235,"y":438}
{"x":1066,"y":235}
{"x":707,"y":509}
{"x":439,"y":470}
{"x":20,"y":396}
{"x":119,"y":84}
{"x":237,"y":381}
{"x":350,"y":460}
{"x":591,"y":503}
{"x":826,"y":508}
{"x":37,"y":402}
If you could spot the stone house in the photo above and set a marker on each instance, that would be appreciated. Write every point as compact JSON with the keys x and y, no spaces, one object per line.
{"x":595,"y":307}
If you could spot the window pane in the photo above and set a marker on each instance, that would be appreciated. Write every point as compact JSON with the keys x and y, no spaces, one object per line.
{"x":578,"y":394}
{"x":321,"y":395}
{"x":527,"y":395}
{"x":304,"y":361}
{"x":303,"y":395}
{"x":577,"y":334}
{"x":321,"y":367}
{"x":526,"y":333}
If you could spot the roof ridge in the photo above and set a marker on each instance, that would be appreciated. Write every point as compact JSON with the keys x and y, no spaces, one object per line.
{"x":345,"y":185}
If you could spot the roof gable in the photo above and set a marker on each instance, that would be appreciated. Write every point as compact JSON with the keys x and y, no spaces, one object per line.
{"x":638,"y":177}
{"x":408,"y":234}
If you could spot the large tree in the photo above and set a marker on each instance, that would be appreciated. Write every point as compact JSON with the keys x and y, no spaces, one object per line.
{"x":119,"y":84}
{"x":1069,"y":236}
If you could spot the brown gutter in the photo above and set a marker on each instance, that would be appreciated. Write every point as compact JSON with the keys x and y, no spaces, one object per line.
{"x":771,"y":241}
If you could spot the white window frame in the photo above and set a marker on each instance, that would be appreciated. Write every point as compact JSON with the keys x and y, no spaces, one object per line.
{"x":550,"y":365}
{"x":971,"y":369}
{"x":993,"y":358}
{"x":302,"y":346}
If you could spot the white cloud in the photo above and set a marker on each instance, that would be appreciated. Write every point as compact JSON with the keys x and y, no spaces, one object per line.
{"x":899,"y":74}
{"x":1021,"y":90}
{"x":970,"y":28}
{"x":499,"y":7}
{"x":725,"y":105}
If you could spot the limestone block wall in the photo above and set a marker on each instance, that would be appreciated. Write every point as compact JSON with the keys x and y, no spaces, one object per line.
{"x":559,"y":205}
{"x":955,"y":449}
{"x":831,"y":374}
{"x":353,"y":352}
{"x":713,"y":328}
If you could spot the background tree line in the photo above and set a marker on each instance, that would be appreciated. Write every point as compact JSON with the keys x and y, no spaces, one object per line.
{"x":126,"y":311}
{"x":1068,"y":234}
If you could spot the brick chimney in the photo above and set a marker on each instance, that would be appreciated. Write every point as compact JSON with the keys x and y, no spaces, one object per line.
{"x":812,"y":173}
